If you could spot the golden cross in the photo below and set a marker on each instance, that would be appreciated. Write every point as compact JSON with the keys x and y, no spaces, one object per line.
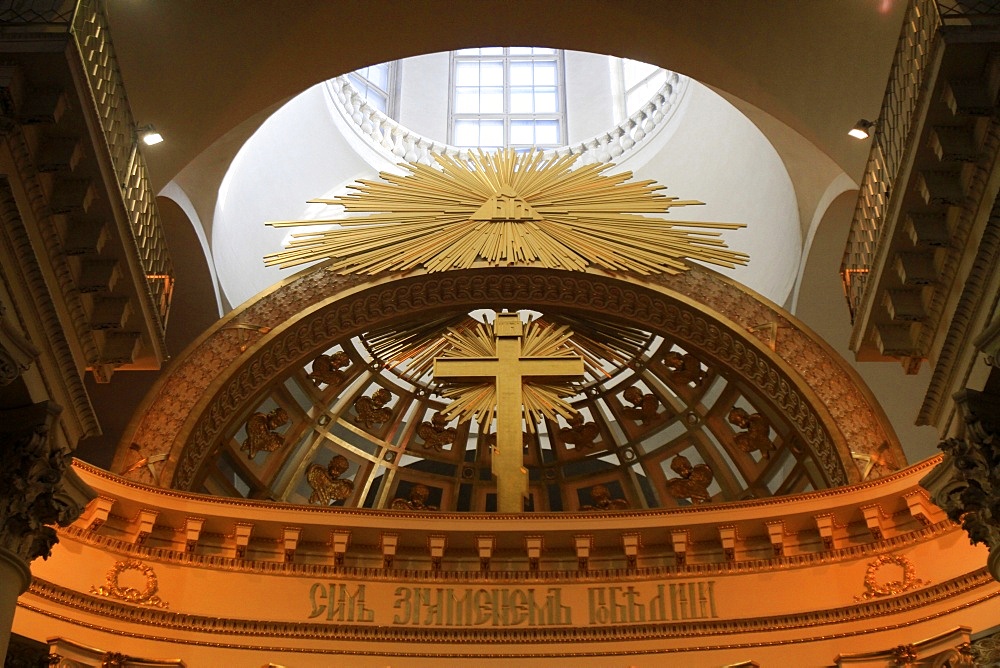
{"x":509,"y":370}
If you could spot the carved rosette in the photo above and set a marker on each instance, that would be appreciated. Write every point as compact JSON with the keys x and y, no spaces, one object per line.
{"x":31,"y":475}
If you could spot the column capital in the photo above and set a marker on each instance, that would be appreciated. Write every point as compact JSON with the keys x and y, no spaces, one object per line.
{"x":966,"y":485}
{"x":39,"y":487}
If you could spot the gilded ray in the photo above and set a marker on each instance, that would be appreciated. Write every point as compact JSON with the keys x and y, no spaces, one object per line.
{"x":504,"y":209}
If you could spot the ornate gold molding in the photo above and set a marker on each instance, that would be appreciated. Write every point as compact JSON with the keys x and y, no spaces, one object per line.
{"x":112,"y":588}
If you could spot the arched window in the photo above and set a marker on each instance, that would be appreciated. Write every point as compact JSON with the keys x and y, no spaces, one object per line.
{"x":377,"y":85}
{"x":637,"y":82}
{"x":507,"y":96}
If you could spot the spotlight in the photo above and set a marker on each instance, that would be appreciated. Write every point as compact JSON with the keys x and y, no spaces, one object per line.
{"x":862,"y":129}
{"x":149,"y":135}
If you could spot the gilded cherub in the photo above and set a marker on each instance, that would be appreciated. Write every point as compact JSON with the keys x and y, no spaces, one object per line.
{"x":601,"y":497}
{"x":327,"y":369}
{"x":757,"y":434}
{"x":693,"y":482}
{"x":684,"y":368}
{"x":371,"y":411}
{"x":417,"y":501}
{"x":326,"y":483}
{"x":579,"y":433}
{"x":643,"y":405}
{"x":260,"y":432}
{"x":435,"y":433}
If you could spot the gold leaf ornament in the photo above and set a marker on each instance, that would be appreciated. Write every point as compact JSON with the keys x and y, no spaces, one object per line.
{"x":507,"y":208}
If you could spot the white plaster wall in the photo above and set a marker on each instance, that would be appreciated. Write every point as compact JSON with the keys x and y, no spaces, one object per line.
{"x":709,"y":152}
{"x":588,"y":95}
{"x":423,"y":96}
{"x":714,"y":154}
{"x":298,"y":154}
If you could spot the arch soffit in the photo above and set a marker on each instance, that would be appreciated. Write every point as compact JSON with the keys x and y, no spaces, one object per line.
{"x":226,"y":370}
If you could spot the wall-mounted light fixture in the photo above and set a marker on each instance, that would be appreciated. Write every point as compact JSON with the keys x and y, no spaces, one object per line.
{"x":862,"y":129}
{"x":149,"y":135}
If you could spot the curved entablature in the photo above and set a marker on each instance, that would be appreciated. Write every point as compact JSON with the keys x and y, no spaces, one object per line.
{"x":701,"y":347}
{"x":574,"y":587}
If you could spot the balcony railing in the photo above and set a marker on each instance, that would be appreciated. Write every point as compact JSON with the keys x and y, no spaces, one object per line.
{"x":397,"y":142}
{"x":93,"y":41}
{"x":86,"y":23}
{"x":918,"y":41}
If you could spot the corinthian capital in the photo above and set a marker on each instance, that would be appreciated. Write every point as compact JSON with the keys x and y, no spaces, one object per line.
{"x":38,"y":487}
{"x":966,"y":485}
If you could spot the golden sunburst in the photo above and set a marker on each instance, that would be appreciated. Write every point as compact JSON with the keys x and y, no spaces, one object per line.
{"x":506,"y":208}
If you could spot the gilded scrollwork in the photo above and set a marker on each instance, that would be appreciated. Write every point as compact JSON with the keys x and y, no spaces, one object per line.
{"x":261,"y":434}
{"x":112,"y":588}
{"x":326,"y":483}
{"x":693,"y":330}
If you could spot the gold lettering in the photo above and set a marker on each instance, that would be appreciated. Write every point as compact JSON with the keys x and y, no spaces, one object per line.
{"x":317,"y":591}
{"x":402,"y":601}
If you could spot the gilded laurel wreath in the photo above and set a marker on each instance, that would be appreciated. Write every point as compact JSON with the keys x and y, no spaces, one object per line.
{"x":113,"y":589}
{"x":503,"y":209}
{"x":892,"y":587}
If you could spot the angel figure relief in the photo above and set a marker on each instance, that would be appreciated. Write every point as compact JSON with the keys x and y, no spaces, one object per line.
{"x":643,"y":407}
{"x":436,"y":434}
{"x":326,"y":369}
{"x":327,"y":484}
{"x":600,"y":495}
{"x":579,"y":433}
{"x":693,"y":481}
{"x":757,"y":434}
{"x":417,"y":499}
{"x":684,"y":368}
{"x":371,"y":411}
{"x":261,"y":434}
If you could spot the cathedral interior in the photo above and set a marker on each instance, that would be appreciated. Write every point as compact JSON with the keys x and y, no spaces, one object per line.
{"x":557,"y":332}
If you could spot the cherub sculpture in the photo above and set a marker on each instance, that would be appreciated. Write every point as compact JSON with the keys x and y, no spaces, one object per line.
{"x":693,"y":482}
{"x":260,"y":432}
{"x":684,"y":368}
{"x":435,"y":433}
{"x":371,"y":410}
{"x":417,"y":501}
{"x":643,"y":405}
{"x":579,"y":433}
{"x":327,"y":369}
{"x":757,"y":434}
{"x":326,"y":483}
{"x":601,"y":496}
